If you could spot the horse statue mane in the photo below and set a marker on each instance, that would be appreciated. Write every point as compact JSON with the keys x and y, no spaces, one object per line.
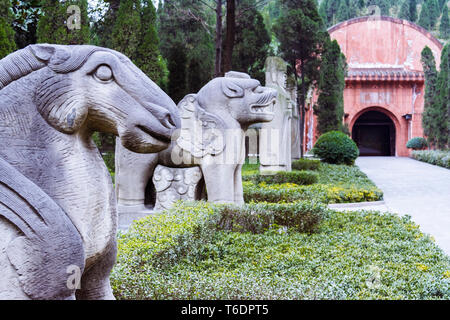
{"x":58,"y":217}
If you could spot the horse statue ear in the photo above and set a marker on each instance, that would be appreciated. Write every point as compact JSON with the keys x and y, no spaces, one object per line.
{"x":43,"y":52}
{"x":202,"y":133}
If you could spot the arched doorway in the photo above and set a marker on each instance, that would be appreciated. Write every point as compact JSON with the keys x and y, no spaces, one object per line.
{"x":374,"y":133}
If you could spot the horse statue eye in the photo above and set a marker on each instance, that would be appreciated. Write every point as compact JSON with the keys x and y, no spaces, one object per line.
{"x":104,"y":73}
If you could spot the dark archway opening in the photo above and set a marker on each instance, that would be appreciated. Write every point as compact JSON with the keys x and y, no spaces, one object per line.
{"x":374,"y":133}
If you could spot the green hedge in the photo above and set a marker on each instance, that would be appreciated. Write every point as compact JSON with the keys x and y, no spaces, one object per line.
{"x":353,"y":255}
{"x":325,"y":193}
{"x":336,"y":147}
{"x":437,"y":157}
{"x":297,"y":177}
{"x":417,"y":143}
{"x":305,"y":164}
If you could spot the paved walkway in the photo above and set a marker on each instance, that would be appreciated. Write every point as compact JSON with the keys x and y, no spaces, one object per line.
{"x":414,"y":188}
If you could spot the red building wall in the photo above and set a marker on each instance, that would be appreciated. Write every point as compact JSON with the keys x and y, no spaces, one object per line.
{"x":385,"y":73}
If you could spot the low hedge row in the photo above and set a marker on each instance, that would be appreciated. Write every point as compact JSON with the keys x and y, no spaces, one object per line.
{"x":437,"y":157}
{"x":305,"y":164}
{"x":325,"y":193}
{"x":297,"y":177}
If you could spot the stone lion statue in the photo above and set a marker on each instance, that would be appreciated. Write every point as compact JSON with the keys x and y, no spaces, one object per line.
{"x":58,"y":216}
{"x":212,"y":136}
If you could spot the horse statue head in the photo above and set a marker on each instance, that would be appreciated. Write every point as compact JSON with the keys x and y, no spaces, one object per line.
{"x":57,"y":204}
{"x":97,"y":89}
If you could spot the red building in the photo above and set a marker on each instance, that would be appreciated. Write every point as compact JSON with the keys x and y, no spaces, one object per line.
{"x":384,"y":92}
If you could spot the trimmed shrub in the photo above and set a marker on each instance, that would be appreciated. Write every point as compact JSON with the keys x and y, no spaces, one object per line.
{"x":305,"y":164}
{"x":417,"y":143}
{"x":437,"y":157}
{"x":297,"y":177}
{"x":336,"y":147}
{"x":260,"y":217}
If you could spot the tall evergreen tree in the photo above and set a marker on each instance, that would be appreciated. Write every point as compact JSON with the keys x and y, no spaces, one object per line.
{"x":413,"y":10}
{"x":405,"y":11}
{"x":442,"y":101}
{"x":177,"y":72}
{"x":188,"y":23}
{"x":53,"y":24}
{"x":7,"y":44}
{"x":330,"y":103}
{"x":425,"y":17}
{"x":343,"y":12}
{"x":126,"y":34}
{"x":252,"y":40}
{"x":430,"y":116}
{"x":444,"y":28}
{"x":148,"y":56}
{"x":301,"y":33}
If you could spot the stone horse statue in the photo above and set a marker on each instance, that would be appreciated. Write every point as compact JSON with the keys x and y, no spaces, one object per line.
{"x":58,"y":218}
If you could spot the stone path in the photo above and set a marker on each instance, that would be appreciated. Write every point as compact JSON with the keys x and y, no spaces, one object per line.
{"x":414,"y":188}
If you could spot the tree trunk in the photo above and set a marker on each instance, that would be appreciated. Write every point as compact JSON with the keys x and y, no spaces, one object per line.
{"x":230,"y":35}
{"x":218,"y":62}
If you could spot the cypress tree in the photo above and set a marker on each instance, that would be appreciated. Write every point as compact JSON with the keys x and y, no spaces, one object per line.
{"x":252,"y":41}
{"x":413,"y":10}
{"x":301,"y":34}
{"x":7,"y":44}
{"x":53,"y":23}
{"x":343,"y":12}
{"x":444,"y":28}
{"x":405,"y":11}
{"x":148,"y":57}
{"x":425,"y":17}
{"x":177,"y":72}
{"x":125,"y":35}
{"x":429,"y":117}
{"x":435,"y":11}
{"x":442,"y":101}
{"x":330,"y":103}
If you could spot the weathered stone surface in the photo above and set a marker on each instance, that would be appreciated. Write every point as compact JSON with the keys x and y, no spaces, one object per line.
{"x":385,"y":74}
{"x":275,"y":136}
{"x":213,"y":123}
{"x":58,"y":217}
{"x":173,"y":184}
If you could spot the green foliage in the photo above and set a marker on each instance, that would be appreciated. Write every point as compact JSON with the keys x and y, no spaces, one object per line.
{"x":336,"y":184}
{"x":130,"y":27}
{"x":7,"y":44}
{"x":52,"y":26}
{"x":148,"y":57}
{"x":305,"y":164}
{"x":444,"y":27}
{"x":405,"y":10}
{"x":187,"y":24}
{"x":353,"y":255}
{"x":257,"y":218}
{"x":429,"y":14}
{"x":252,"y":41}
{"x":336,"y":147}
{"x":297,"y":177}
{"x":436,"y":157}
{"x":417,"y":143}
{"x":435,"y":120}
{"x":177,"y":72}
{"x":330,"y":103}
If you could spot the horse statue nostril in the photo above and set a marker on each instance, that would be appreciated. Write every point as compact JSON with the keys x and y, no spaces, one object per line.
{"x":168,"y":122}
